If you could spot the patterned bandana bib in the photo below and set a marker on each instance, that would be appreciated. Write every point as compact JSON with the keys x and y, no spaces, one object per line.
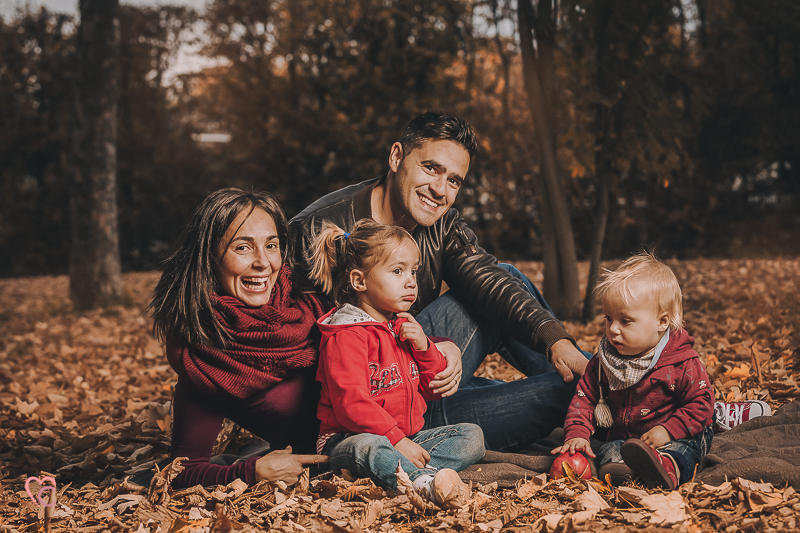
{"x":623,"y":372}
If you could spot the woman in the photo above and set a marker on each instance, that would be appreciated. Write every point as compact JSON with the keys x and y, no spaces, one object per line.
{"x":239,"y":336}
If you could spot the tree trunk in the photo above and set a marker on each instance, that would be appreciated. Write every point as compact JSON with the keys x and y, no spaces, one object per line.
{"x":561,"y":287}
{"x":589,"y":300}
{"x":505,"y":62}
{"x":95,"y":274}
{"x":604,"y":140}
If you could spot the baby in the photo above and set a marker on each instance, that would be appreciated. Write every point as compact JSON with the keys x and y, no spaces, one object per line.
{"x":646,"y":383}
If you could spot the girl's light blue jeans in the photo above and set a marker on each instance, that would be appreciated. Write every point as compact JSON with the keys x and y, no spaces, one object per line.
{"x":369,"y":455}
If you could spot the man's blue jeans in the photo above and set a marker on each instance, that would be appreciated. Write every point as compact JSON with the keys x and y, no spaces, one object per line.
{"x":686,"y":452}
{"x":513,"y":414}
{"x":373,"y":456}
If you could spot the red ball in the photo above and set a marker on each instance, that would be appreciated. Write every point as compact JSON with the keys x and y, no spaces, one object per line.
{"x":577,"y":462}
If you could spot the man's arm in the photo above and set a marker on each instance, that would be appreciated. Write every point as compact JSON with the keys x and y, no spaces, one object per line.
{"x":474,"y":274}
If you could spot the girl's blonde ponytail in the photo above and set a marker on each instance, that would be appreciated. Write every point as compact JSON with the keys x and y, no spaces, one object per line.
{"x":326,"y":258}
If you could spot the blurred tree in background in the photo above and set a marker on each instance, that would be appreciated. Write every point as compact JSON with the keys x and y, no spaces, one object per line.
{"x":674,"y":122}
{"x":37,"y":65}
{"x":162,"y":171}
{"x":314,"y":93}
{"x":95,"y":271}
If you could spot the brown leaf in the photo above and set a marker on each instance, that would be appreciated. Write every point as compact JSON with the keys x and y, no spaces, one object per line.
{"x":160,"y":489}
{"x":511,"y":512}
{"x":231,"y":491}
{"x":326,"y":489}
{"x":303,"y":483}
{"x":326,"y":526}
{"x":592,"y":501}
{"x":372,"y":513}
{"x":529,"y":489}
{"x":352,"y":493}
{"x":158,"y":513}
{"x":667,"y":509}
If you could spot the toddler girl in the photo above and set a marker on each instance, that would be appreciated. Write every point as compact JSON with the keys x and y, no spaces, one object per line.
{"x":646,"y":383}
{"x":375,"y":366}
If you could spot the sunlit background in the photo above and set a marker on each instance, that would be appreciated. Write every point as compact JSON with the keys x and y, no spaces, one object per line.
{"x":685,"y":112}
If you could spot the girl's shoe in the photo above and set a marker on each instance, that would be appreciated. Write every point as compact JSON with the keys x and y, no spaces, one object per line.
{"x":448,"y":489}
{"x":655,"y":469}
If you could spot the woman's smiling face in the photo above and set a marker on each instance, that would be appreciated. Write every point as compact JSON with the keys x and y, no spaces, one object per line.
{"x":249,"y":265}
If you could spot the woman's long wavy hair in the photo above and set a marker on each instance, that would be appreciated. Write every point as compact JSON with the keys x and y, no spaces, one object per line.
{"x":182,"y":300}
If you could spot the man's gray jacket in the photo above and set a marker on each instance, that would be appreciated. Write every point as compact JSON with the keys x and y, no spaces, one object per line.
{"x":449,"y":253}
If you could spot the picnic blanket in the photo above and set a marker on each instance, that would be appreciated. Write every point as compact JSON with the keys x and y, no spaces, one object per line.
{"x":765,"y":449}
{"x":508,"y":468}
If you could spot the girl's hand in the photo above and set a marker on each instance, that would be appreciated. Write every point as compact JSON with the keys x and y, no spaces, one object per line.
{"x":281,"y":465}
{"x":413,"y":452}
{"x":412,"y":331}
{"x":656,"y":437}
{"x":575,"y":445}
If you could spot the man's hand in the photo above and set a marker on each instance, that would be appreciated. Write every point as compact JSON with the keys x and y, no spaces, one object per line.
{"x":567,"y":360}
{"x":412,"y":331}
{"x":281,"y":465}
{"x":575,"y":445}
{"x":447,"y":381}
{"x":656,"y":437}
{"x":413,"y":452}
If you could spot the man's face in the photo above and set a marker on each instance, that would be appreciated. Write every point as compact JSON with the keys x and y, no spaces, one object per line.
{"x":427,"y":180}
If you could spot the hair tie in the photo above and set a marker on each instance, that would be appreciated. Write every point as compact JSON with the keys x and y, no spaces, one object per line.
{"x":346,"y":235}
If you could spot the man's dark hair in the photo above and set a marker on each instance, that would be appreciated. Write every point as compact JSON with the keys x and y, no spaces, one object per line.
{"x":439,"y":127}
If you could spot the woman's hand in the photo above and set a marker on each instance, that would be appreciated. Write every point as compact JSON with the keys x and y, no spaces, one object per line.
{"x":656,"y":437}
{"x":447,"y":381}
{"x":282,"y":465}
{"x":412,"y":331}
{"x":413,"y":452}
{"x":575,"y":445}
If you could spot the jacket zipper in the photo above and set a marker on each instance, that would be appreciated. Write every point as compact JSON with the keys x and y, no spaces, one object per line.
{"x":409,"y":390}
{"x":401,"y":371}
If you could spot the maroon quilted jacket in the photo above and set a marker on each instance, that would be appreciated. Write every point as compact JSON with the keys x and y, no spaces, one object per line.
{"x":676,"y":394}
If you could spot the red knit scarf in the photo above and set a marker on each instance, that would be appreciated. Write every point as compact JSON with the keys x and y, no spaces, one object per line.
{"x":267,"y":342}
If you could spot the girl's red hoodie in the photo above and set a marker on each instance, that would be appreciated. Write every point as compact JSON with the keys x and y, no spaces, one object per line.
{"x":372,"y":382}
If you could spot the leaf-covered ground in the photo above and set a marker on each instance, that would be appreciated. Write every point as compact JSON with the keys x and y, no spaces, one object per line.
{"x":85,"y":398}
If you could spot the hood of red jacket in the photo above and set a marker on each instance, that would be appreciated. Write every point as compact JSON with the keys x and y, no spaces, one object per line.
{"x":675,"y":350}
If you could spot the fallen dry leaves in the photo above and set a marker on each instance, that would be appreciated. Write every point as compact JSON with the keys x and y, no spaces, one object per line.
{"x":85,"y":397}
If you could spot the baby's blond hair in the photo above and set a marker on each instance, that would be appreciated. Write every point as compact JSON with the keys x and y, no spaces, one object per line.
{"x":645,"y":274}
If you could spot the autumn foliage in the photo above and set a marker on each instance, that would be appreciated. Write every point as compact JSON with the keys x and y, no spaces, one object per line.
{"x":85,"y":397}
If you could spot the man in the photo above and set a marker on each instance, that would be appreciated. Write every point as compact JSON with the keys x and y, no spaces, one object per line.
{"x":488,"y":308}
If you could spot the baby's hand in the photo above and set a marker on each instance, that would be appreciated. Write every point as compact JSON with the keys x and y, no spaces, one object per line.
{"x":575,"y":445}
{"x":656,"y":437}
{"x":412,"y":331}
